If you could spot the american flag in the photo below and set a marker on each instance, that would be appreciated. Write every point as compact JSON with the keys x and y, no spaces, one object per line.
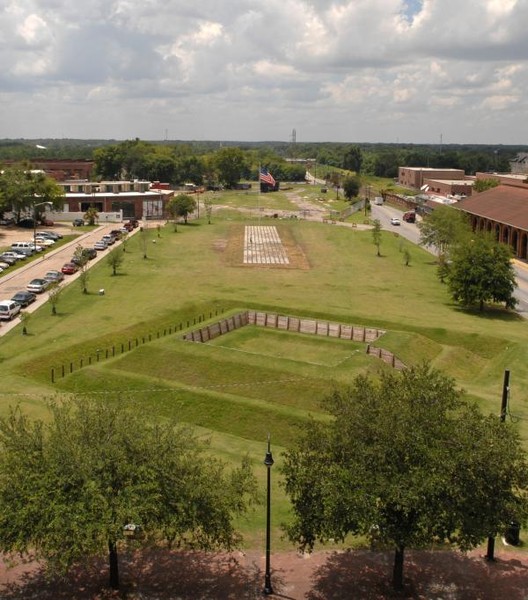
{"x":266,"y":176}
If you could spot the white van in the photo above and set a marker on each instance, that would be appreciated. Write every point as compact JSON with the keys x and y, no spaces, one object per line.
{"x":26,"y":248}
{"x":9,"y":310}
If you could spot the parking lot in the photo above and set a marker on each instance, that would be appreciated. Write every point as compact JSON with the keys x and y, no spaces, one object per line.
{"x":16,"y":279}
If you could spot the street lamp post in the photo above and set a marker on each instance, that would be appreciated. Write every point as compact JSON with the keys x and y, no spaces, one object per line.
{"x":268,"y":461}
{"x":35,"y":222}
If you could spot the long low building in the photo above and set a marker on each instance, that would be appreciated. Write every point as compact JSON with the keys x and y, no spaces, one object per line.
{"x":503,"y":211}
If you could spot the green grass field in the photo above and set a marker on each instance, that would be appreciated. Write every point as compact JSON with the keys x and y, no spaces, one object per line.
{"x":238,"y":387}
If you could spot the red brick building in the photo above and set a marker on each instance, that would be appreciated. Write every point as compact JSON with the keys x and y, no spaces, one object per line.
{"x":503,"y":211}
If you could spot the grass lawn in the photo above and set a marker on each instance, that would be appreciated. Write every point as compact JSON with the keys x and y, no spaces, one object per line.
{"x":238,"y":387}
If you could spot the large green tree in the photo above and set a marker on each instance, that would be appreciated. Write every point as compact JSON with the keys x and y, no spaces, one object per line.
{"x":481,"y":271}
{"x":443,"y":228}
{"x":181,"y":205}
{"x":25,"y":192}
{"x":353,"y":159}
{"x":231,"y":165}
{"x":70,"y":485}
{"x":351,"y":187}
{"x":406,"y":456}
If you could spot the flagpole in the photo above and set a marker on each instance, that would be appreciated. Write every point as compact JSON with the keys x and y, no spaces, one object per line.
{"x":259,"y":188}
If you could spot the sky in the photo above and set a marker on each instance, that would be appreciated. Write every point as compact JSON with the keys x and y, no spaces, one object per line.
{"x":396,"y":71}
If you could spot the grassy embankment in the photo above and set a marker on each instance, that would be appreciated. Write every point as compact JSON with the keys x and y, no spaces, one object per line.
{"x":246,"y":384}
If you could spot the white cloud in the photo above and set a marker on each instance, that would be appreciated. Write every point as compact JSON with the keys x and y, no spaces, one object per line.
{"x":349,"y":70}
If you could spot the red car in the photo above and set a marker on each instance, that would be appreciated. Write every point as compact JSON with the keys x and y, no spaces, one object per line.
{"x":69,"y":268}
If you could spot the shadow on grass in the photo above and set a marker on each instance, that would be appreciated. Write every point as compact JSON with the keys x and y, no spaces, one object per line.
{"x":489,"y":312}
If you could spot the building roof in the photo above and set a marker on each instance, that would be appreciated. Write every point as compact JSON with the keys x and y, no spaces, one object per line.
{"x":469,"y":182}
{"x":431,"y":169}
{"x":503,"y":204}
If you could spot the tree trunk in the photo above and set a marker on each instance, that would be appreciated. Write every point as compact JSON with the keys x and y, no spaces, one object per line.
{"x":114,"y":566}
{"x":481,"y":305}
{"x":397,"y":573}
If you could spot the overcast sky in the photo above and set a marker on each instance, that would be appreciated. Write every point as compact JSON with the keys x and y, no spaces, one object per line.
{"x":357,"y":71}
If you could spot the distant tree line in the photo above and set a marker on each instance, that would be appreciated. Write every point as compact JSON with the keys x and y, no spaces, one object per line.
{"x":226,"y":163}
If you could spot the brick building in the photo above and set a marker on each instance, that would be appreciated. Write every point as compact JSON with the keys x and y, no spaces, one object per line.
{"x":63,"y":169}
{"x":138,"y":199}
{"x":414,"y":177}
{"x":502,"y":211}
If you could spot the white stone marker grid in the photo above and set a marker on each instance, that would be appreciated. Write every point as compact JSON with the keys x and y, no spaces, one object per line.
{"x":263,"y":246}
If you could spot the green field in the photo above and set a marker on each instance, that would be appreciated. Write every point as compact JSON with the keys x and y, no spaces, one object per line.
{"x":242,"y":385}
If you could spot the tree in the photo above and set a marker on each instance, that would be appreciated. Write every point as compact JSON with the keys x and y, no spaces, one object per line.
{"x":54,"y":294}
{"x":481,"y":185}
{"x":410,"y":456}
{"x":443,"y":227}
{"x":208,"y":204}
{"x":24,"y":319}
{"x":231,"y":165}
{"x":376,"y":235}
{"x":351,"y":187}
{"x":115,"y":260}
{"x":353,"y":159}
{"x":21,"y":189}
{"x":81,"y":260}
{"x":91,"y":215}
{"x":481,"y":271}
{"x":181,"y":206}
{"x":70,"y":484}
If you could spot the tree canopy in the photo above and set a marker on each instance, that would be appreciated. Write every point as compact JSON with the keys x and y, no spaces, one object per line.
{"x":69,"y":485}
{"x":231,"y":164}
{"x":351,"y":187}
{"x":181,"y":205}
{"x":444,"y":227}
{"x":409,"y":457}
{"x":24,"y":192}
{"x":481,"y":271}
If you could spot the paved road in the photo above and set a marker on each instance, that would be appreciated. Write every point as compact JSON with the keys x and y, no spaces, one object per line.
{"x":411,"y":232}
{"x":20,"y":277}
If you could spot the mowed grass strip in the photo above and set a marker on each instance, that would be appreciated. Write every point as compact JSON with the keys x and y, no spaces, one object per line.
{"x":306,"y":348}
{"x":219,"y":372}
{"x":201,"y":408}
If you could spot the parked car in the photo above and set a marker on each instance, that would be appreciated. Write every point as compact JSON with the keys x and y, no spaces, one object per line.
{"x":89,"y":253}
{"x":26,"y":248}
{"x":109,"y":239}
{"x":100,"y":245}
{"x":13,"y":254}
{"x":69,"y":268}
{"x":24,"y":298}
{"x":133,"y":222}
{"x":9,"y":309}
{"x":38,"y":285}
{"x":10,"y":260}
{"x":54,"y":276}
{"x":54,"y":235}
{"x":78,"y":222}
{"x":395,"y":221}
{"x":43,"y":241}
{"x":4,"y":265}
{"x":26,"y":223}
